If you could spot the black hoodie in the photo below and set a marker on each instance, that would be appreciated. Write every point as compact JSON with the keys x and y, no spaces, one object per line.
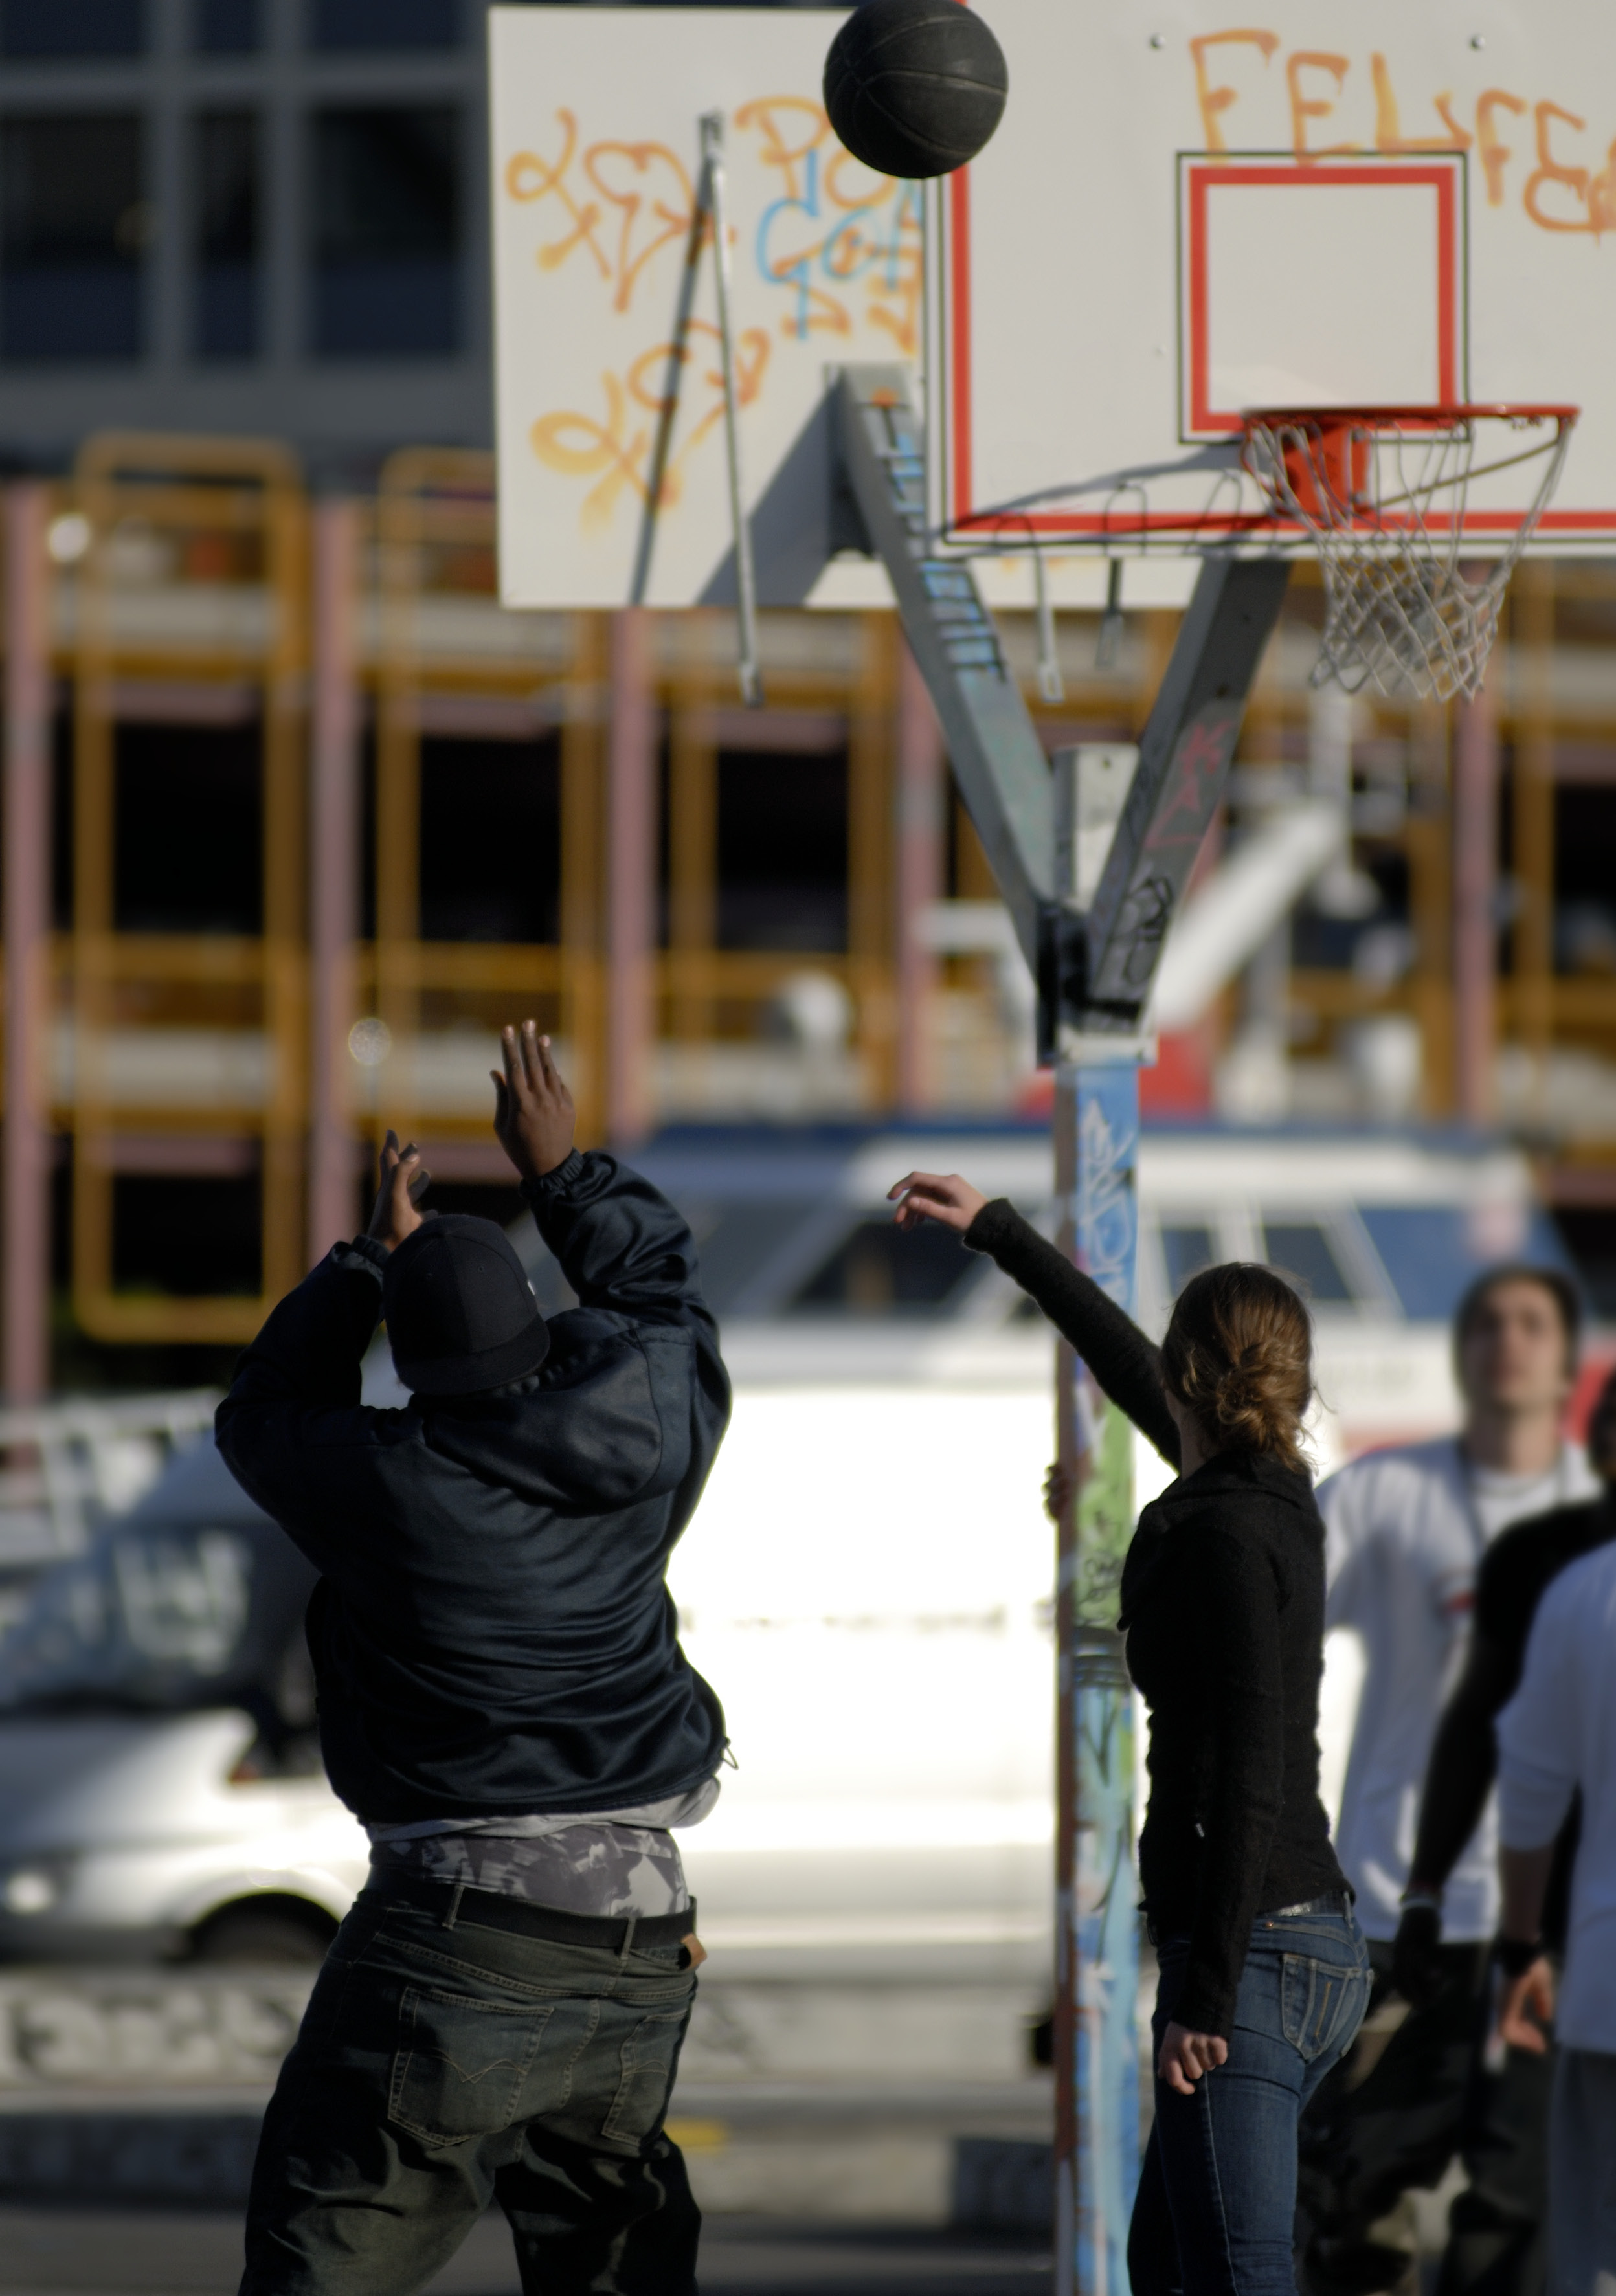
{"x":492,"y":1633}
{"x":1223,"y":1606}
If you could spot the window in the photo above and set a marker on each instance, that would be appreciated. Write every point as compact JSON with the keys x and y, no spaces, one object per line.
{"x":1303,"y":1250}
{"x":226,"y":207}
{"x":72,"y":28}
{"x":883,"y":1270}
{"x":386,"y":203}
{"x":384,"y":23}
{"x":783,"y":850}
{"x":1186,"y":1249}
{"x":225,"y":28}
{"x":73,"y":227}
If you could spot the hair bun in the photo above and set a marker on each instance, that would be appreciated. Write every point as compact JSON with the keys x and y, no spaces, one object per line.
{"x":1239,"y":1354}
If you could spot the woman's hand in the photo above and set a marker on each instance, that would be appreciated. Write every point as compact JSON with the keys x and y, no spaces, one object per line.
{"x":533,"y":1114}
{"x":393,"y":1215}
{"x":1186,"y":2055}
{"x":1059,"y":1487}
{"x":943,"y":1197}
{"x":1530,"y":1995}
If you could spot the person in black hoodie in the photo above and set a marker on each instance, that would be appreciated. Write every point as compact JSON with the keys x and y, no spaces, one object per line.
{"x":504,"y":1703}
{"x":1265,"y":1974}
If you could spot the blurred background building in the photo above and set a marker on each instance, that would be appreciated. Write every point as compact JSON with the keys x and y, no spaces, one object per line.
{"x":295,"y":814}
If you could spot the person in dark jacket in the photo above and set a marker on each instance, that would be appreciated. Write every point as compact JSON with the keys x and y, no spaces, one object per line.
{"x":504,"y":1703}
{"x":1265,"y":1973}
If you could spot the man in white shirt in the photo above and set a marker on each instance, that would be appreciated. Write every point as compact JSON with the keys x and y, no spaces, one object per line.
{"x":1557,"y":1737}
{"x":1406,"y":1529}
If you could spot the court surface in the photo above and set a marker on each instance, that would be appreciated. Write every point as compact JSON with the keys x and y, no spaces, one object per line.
{"x":124,"y":2253}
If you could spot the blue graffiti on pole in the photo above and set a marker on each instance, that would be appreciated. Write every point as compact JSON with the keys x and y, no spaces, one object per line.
{"x":1106,"y":1226}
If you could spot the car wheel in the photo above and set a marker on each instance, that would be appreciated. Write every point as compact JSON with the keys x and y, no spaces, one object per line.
{"x":276,"y":1936}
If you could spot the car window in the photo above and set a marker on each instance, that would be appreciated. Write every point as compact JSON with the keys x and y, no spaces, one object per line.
{"x":1186,"y":1248}
{"x":1303,"y":1249}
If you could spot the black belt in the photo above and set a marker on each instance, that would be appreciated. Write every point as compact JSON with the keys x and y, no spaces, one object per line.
{"x":1334,"y":1901}
{"x":491,"y":1910}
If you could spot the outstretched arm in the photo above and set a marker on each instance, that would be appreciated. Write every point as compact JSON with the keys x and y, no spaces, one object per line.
{"x":1127,"y":1365}
{"x":622,"y":1245}
{"x":305,"y":1360}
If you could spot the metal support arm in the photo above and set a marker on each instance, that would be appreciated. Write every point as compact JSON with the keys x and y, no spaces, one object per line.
{"x":1094,"y":971}
{"x":998,"y":760}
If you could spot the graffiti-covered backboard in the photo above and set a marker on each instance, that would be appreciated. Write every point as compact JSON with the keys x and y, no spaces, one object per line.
{"x":595,"y":136}
{"x":1197,"y":211}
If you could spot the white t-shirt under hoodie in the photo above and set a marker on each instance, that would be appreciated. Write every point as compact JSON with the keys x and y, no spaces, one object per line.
{"x":1405,"y":1531}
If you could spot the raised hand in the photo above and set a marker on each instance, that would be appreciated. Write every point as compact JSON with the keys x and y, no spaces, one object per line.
{"x":404,"y":1181}
{"x":533,"y":1113}
{"x":941,"y":1196}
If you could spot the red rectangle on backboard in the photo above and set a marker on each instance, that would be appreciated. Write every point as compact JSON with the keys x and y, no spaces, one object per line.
{"x":1319,"y":256}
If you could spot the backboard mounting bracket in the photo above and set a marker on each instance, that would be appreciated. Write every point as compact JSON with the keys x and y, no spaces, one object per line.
{"x":1094,"y":964}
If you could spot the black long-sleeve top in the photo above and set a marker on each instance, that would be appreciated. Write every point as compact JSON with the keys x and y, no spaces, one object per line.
{"x":1223,"y":1606}
{"x":1515,"y":1574}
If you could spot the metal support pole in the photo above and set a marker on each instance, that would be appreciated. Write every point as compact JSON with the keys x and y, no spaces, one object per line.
{"x":630,"y":878}
{"x":1097,"y":1135}
{"x":333,"y":901}
{"x":27,"y":862}
{"x":919,"y":874}
{"x":746,"y":586}
{"x":1475,"y":876}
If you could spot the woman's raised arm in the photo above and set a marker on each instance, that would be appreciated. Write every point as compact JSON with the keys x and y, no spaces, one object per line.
{"x":1127,"y":1365}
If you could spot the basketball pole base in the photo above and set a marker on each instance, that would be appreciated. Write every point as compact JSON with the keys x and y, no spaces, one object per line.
{"x":1091,"y":875}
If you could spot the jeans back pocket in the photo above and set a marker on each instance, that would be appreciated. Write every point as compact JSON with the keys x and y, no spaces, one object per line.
{"x":1322,"y":2004}
{"x":649,"y":2056}
{"x":461,"y":2063}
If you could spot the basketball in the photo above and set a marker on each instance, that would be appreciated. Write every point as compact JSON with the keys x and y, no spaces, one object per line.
{"x":915,"y":87}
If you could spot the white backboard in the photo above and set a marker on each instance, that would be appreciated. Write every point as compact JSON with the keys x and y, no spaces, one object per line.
{"x":1191,"y":211}
{"x":595,"y":134}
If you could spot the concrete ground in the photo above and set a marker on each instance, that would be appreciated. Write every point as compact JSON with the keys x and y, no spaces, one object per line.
{"x":83,"y":2252}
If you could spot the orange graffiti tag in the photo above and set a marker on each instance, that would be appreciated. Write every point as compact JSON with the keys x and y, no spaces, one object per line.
{"x":530,"y":177}
{"x":1215,"y":101}
{"x":616,"y":452}
{"x":650,"y":216}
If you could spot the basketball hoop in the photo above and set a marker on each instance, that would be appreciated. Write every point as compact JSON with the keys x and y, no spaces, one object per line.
{"x":1385,"y":492}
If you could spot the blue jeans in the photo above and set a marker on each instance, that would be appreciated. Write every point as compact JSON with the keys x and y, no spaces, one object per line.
{"x":1217,"y":2201}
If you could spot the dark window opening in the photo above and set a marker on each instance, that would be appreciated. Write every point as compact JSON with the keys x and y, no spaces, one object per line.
{"x":491,"y":840}
{"x":188,"y":839}
{"x":385,"y":196}
{"x":1585,"y":912}
{"x":384,"y":24}
{"x":72,"y":28}
{"x":227,"y":28}
{"x":1303,"y":1249}
{"x":73,"y":228}
{"x":883,"y":1270}
{"x":1589,"y":1234}
{"x":188,"y":1237}
{"x":227,"y":211}
{"x":1186,"y":1249}
{"x":783,"y":850}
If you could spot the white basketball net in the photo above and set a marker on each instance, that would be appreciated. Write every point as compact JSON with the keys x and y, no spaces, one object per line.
{"x":1383,"y":496}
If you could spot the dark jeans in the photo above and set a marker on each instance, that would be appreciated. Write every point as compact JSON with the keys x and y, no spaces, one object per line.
{"x":1415,"y":2092}
{"x":1217,"y":2200}
{"x":438,"y":2069}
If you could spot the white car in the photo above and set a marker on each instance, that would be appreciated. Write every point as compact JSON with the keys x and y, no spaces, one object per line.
{"x":866,"y":1584}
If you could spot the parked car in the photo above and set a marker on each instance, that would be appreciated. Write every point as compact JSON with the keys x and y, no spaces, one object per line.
{"x":866,"y":1581}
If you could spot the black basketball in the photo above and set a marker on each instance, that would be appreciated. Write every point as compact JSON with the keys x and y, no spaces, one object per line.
{"x":915,"y":87}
